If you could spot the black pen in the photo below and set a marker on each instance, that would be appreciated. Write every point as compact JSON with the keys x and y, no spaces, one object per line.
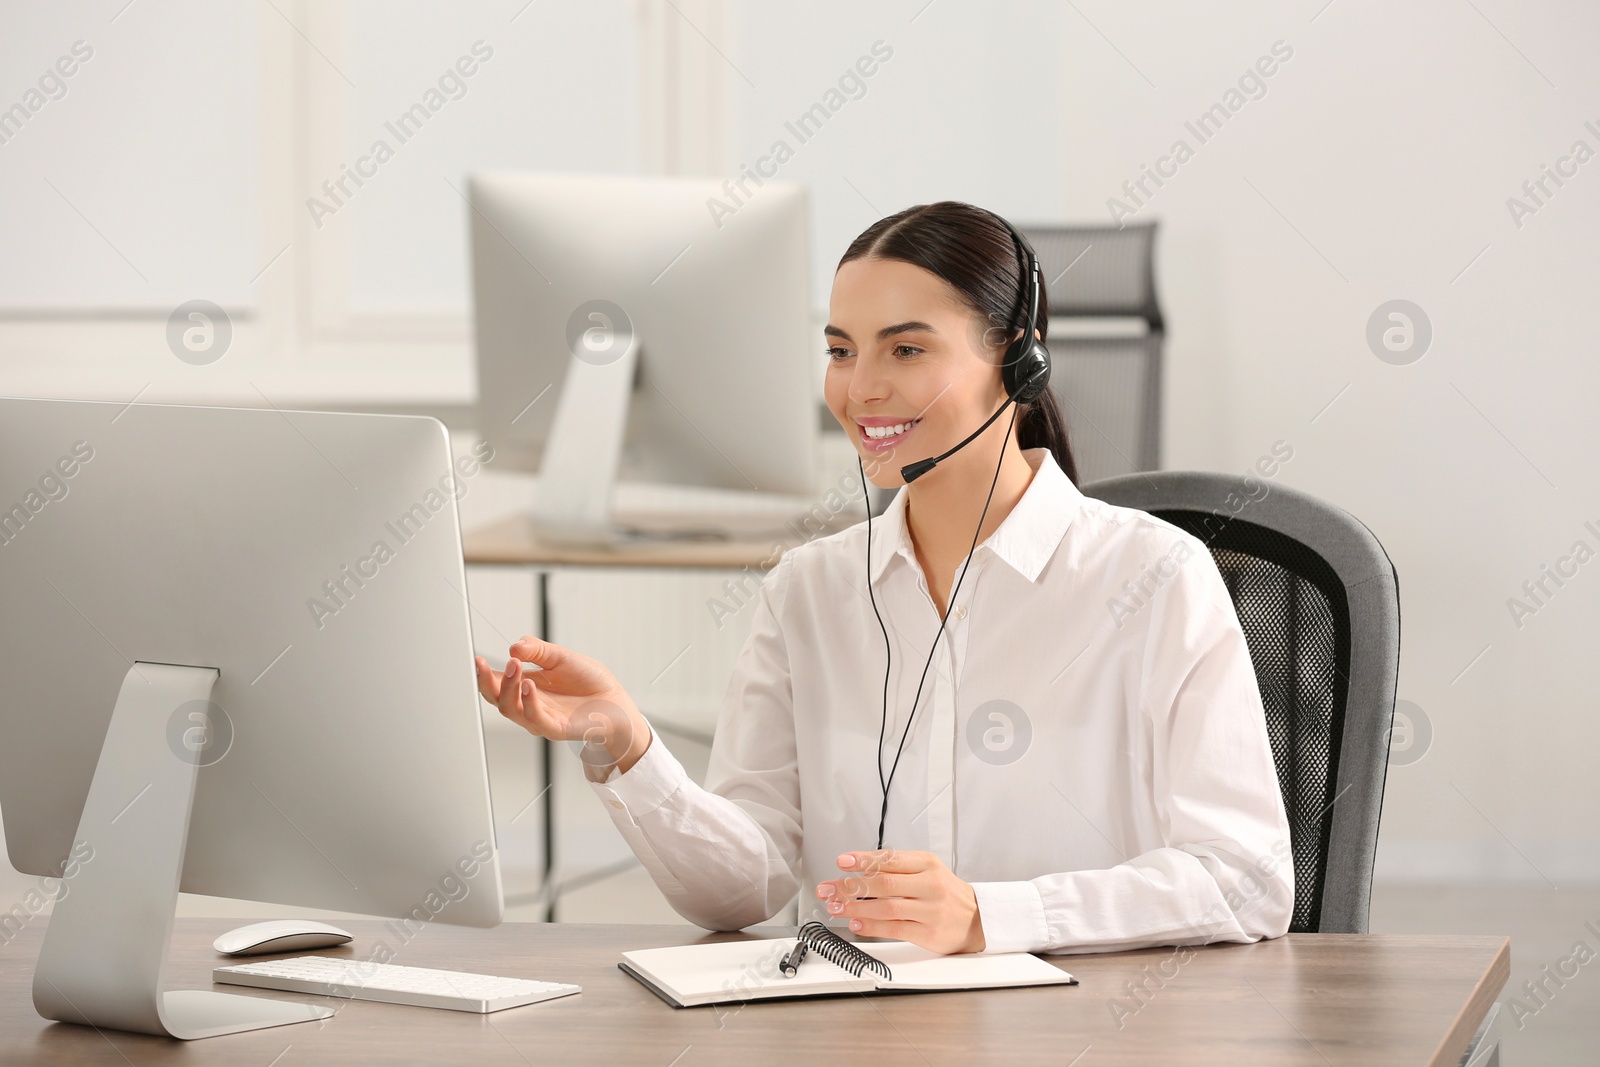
{"x":790,"y":965}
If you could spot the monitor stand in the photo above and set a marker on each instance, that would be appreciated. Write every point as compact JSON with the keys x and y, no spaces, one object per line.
{"x":578,"y":472}
{"x":105,"y":947}
{"x":575,"y":502}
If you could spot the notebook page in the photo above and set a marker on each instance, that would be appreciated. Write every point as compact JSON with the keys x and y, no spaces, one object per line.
{"x":741,"y":970}
{"x":917,"y":968}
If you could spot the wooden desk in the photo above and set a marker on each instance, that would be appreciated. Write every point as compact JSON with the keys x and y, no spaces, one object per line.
{"x":1315,"y":999}
{"x":754,"y":542}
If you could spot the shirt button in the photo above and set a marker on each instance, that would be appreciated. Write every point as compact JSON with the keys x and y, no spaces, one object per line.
{"x":961,"y":611}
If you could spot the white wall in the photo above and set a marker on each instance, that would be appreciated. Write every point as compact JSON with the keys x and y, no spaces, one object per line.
{"x":1374,"y":163}
{"x":1376,"y":166}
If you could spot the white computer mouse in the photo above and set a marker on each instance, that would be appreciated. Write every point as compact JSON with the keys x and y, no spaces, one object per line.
{"x":280,"y":935}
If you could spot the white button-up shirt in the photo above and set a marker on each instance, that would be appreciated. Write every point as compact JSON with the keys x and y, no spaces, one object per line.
{"x":1090,"y":750}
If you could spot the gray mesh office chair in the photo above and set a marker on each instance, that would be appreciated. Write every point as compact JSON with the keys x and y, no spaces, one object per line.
{"x":1107,"y":375}
{"x":1319,"y":602}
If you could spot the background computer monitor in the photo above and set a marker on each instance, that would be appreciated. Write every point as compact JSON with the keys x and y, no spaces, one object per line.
{"x":631,"y":329}
{"x":313,"y":562}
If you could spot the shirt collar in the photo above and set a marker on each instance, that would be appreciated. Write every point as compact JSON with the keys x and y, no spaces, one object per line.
{"x":1025,"y":540}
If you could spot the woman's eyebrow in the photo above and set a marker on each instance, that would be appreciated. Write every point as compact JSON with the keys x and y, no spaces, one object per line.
{"x":887,"y":332}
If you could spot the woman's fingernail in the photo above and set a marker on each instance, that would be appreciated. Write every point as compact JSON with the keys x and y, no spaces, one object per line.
{"x":847,"y":861}
{"x":836,"y":906}
{"x":527,"y":689}
{"x":855,"y":924}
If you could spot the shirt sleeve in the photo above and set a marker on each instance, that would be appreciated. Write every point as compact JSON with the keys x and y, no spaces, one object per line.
{"x":726,"y":856}
{"x":1225,"y":871}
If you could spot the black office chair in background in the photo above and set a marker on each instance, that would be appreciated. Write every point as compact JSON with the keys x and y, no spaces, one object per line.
{"x":1319,"y":602}
{"x":1106,"y":338}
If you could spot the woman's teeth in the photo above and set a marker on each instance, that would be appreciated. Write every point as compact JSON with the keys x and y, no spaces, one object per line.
{"x":888,"y":431}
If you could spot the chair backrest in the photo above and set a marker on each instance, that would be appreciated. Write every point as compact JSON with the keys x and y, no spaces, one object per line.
{"x":1319,"y":602}
{"x":1107,"y":374}
{"x":1099,"y":271}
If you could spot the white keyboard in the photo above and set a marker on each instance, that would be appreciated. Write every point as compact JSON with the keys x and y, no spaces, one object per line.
{"x":392,"y":983}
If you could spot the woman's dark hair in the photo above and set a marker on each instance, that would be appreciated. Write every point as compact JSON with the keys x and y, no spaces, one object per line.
{"x":972,"y":250}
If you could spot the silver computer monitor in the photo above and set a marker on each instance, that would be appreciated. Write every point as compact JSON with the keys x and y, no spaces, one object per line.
{"x":647,"y":331}
{"x":235,"y":660}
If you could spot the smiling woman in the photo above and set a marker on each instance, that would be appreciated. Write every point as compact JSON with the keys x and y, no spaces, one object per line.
{"x":1060,"y":783}
{"x":958,"y":286}
{"x":966,"y":264}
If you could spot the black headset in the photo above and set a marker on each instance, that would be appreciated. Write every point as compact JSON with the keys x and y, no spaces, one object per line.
{"x":1024,"y":372}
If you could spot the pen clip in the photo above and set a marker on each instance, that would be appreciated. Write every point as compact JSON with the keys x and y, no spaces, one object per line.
{"x":789,"y":966}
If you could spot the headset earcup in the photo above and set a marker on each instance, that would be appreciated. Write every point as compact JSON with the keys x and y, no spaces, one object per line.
{"x":1027,"y":370}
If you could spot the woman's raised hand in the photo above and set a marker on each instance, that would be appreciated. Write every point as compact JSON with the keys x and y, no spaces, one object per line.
{"x":571,"y":697}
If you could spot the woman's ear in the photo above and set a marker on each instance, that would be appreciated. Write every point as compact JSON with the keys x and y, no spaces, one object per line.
{"x":990,"y":343}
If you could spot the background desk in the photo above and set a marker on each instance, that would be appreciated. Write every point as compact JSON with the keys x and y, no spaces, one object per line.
{"x":1321,"y":999}
{"x":758,"y":539}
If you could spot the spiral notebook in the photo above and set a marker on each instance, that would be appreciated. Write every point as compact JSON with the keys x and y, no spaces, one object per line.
{"x":689,"y":976}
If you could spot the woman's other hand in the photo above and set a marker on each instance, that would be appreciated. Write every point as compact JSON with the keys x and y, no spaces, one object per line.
{"x":908,"y":896}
